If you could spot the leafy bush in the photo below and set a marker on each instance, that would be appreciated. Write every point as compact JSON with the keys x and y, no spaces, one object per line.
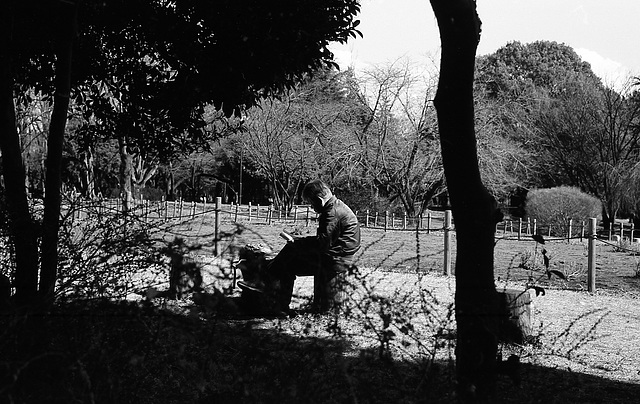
{"x":555,"y":206}
{"x":104,"y":253}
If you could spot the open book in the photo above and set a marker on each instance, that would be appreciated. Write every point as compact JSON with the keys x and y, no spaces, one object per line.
{"x":286,"y":236}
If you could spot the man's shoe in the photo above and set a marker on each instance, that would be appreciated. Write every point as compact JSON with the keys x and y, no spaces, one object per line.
{"x":254,"y":286}
{"x":279,"y":312}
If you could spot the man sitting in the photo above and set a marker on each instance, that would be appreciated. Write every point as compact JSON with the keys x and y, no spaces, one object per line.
{"x":327,"y":256}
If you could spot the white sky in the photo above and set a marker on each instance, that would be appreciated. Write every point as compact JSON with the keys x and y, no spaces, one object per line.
{"x":602,"y":32}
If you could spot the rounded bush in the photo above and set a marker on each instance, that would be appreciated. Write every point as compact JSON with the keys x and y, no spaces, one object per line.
{"x":555,"y":206}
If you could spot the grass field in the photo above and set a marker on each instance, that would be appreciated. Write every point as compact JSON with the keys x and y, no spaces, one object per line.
{"x":397,"y":250}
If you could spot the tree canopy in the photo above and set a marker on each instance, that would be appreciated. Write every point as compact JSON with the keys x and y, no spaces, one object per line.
{"x":145,"y":71}
{"x":575,"y":130}
{"x":516,"y":69}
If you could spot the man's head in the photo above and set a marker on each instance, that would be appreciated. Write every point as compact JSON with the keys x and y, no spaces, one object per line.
{"x":317,"y":193}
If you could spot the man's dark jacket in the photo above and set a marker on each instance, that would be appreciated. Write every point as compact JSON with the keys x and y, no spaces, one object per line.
{"x":338,"y":229}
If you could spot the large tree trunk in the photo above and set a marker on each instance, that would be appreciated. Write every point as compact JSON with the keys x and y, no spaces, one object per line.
{"x":21,"y":224}
{"x":53,"y":179}
{"x":474,"y":209}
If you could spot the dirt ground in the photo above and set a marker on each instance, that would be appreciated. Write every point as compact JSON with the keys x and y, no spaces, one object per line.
{"x":595,"y":333}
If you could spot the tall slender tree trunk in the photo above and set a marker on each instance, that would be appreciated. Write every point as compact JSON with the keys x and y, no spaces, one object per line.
{"x":474,"y":209}
{"x":193,"y":182}
{"x":53,"y":178}
{"x":126,"y":168}
{"x":21,"y":224}
{"x":171,"y":184}
{"x":89,"y":176}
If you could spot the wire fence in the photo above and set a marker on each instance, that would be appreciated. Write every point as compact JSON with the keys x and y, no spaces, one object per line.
{"x":620,"y":238}
{"x":429,"y":221}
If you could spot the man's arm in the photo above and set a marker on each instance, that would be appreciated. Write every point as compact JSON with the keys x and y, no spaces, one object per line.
{"x":328,"y":233}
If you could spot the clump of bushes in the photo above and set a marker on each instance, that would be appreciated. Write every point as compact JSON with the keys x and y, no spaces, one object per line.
{"x":555,"y":206}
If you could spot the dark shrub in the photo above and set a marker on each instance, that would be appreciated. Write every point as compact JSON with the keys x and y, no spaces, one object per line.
{"x":555,"y":206}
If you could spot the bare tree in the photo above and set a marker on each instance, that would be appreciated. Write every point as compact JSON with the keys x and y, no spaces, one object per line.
{"x":592,"y":137}
{"x":398,"y":145}
{"x":32,"y":120}
{"x":505,"y":164}
{"x":278,"y":148}
{"x":302,"y":135}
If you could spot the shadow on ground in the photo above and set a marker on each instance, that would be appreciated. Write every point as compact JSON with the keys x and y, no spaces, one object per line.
{"x":126,"y":353}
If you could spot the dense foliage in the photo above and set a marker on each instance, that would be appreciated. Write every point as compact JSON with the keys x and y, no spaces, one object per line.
{"x":573,"y":129}
{"x":364,"y":132}
{"x":159,"y":77}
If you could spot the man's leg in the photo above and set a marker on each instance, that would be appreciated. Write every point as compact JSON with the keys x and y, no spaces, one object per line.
{"x":299,"y":258}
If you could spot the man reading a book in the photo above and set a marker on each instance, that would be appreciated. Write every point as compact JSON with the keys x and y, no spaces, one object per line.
{"x":327,"y":256}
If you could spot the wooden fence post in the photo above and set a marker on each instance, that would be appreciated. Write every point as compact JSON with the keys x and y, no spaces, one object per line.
{"x":519,"y":229}
{"x":447,"y":242}
{"x":366,"y":218}
{"x":375,"y":220}
{"x":166,"y":209}
{"x":570,"y":230}
{"x":591,"y":262}
{"x":610,"y":230}
{"x":428,"y":222}
{"x":269,"y":214}
{"x":621,"y":231}
{"x":535,"y":226}
{"x":386,"y":219}
{"x":216,"y":234}
{"x":249,"y":211}
{"x":181,"y":207}
{"x":404,"y":221}
{"x":204,"y":206}
{"x":309,"y":217}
